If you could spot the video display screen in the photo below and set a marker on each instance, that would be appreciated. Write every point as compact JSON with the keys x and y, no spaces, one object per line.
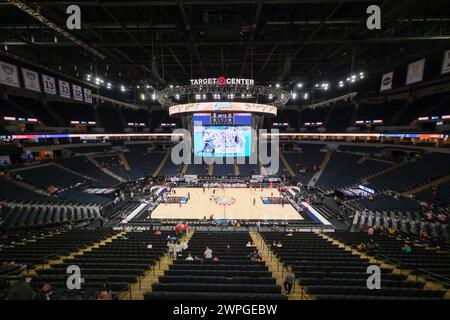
{"x":222,"y":119}
{"x":222,"y":141}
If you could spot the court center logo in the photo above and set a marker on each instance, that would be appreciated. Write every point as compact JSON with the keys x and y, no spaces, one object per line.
{"x":224,"y":200}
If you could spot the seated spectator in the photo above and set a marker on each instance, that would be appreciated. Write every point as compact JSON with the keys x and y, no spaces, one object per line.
{"x":406,"y":248}
{"x":370,"y":231}
{"x":189,"y":257}
{"x":215,"y":259}
{"x":279,"y":244}
{"x":47,"y":292}
{"x":361,"y":247}
{"x":21,"y":290}
{"x":249,"y":244}
{"x":371,"y":246}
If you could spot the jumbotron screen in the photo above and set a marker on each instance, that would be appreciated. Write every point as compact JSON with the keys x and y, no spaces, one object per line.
{"x":222,"y":141}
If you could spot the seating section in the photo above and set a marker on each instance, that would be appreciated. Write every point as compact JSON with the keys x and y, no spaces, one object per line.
{"x":143,"y":162}
{"x":170,"y":169}
{"x":340,"y":119}
{"x":91,"y":149}
{"x":33,"y":215}
{"x":306,"y":160}
{"x":112,"y":265}
{"x":114,"y":164}
{"x":426,"y":169}
{"x":85,"y":167}
{"x":41,"y":250}
{"x":421,"y":260}
{"x":11,"y":191}
{"x":327,"y":271}
{"x":440,"y":196}
{"x":69,"y":111}
{"x":110,"y":119}
{"x":34,"y":108}
{"x":346,"y":169}
{"x":51,"y":175}
{"x":234,"y":276}
{"x":385,"y":111}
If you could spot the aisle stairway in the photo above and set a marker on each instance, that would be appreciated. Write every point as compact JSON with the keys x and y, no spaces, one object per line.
{"x":277,"y":268}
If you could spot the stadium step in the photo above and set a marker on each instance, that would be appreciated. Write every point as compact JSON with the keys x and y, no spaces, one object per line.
{"x":427,"y":186}
{"x":72,"y":255}
{"x":277,"y":268}
{"x":108,"y":172}
{"x":392,"y":168}
{"x":287,"y":165}
{"x":161,"y":165}
{"x":126,"y":165}
{"x":428,"y":285}
{"x":26,"y":185}
{"x":323,"y":165}
{"x":137,"y":290}
{"x":73,"y":171}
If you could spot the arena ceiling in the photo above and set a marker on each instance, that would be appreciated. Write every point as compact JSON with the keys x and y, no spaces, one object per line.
{"x":170,"y":42}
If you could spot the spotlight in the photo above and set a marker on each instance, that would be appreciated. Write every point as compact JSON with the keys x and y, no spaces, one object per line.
{"x":153,"y":96}
{"x":108,"y":85}
{"x":122,"y":88}
{"x":142,"y":96}
{"x":277,"y":85}
{"x":299,"y":85}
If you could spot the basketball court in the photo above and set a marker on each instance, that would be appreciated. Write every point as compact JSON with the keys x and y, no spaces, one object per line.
{"x":227,"y":203}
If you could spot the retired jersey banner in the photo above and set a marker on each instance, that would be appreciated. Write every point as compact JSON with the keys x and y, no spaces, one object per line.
{"x":77,"y":92}
{"x":446,"y":63}
{"x":31,"y":80}
{"x":64,"y":89}
{"x":9,"y":74}
{"x":415,"y":72}
{"x":49,"y":84}
{"x":87,"y":95}
{"x":386,"y":81}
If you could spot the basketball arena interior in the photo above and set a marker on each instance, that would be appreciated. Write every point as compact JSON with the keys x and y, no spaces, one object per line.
{"x":225,"y":150}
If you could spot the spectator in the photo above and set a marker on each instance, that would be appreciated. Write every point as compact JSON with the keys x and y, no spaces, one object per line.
{"x":407,"y":248}
{"x":289,"y":279}
{"x":178,"y":249}
{"x":171,"y":249}
{"x":21,"y":290}
{"x":104,"y":295}
{"x":189,"y":257}
{"x":215,"y":259}
{"x":279,"y":244}
{"x":361,"y":247}
{"x":371,"y":246}
{"x":249,"y":244}
{"x":208,"y":253}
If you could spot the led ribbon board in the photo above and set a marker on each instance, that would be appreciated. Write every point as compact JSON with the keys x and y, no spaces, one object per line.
{"x":223,"y":107}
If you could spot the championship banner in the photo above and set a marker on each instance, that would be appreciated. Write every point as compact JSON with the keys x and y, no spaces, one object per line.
{"x":8,"y":74}
{"x":77,"y":92}
{"x":386,"y":81}
{"x":446,"y":63}
{"x":64,"y":89}
{"x":49,"y":84}
{"x":31,"y":80}
{"x":415,"y":72}
{"x":87,"y":95}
